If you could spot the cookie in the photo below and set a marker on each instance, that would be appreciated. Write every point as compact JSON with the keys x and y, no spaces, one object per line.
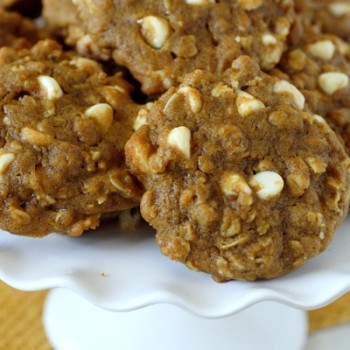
{"x":61,"y":19}
{"x":17,"y":31}
{"x":320,"y":68}
{"x":240,"y":181}
{"x":328,"y":16}
{"x":161,"y":41}
{"x":7,"y":3}
{"x":63,"y":127}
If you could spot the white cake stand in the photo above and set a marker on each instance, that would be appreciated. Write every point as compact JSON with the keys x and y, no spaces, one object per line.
{"x":75,"y":324}
{"x":116,"y":291}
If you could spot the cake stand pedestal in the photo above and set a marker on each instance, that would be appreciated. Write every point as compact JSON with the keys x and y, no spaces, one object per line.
{"x":123,"y":271}
{"x":73,"y":323}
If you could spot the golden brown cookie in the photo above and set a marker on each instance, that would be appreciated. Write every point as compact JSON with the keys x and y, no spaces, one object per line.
{"x":161,"y":41}
{"x":241,"y":182}
{"x":8,"y":3}
{"x":320,"y":68}
{"x":61,"y":19}
{"x":17,"y":31}
{"x":328,"y":16}
{"x":63,"y":127}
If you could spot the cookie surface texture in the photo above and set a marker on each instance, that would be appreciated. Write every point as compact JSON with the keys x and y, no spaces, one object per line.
{"x":320,"y":68}
{"x":61,"y":19}
{"x":327,"y":16}
{"x":240,"y":181}
{"x":161,"y":41}
{"x":8,"y":3}
{"x":17,"y":31}
{"x":63,"y":127}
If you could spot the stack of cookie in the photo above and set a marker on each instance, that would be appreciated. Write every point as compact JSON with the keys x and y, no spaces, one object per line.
{"x":227,"y":122}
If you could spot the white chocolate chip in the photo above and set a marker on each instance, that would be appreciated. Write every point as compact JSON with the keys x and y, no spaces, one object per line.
{"x":283,"y":86}
{"x":180,"y":138}
{"x":271,"y":55}
{"x":249,"y":5}
{"x":155,"y":30}
{"x":267,"y":184}
{"x":319,"y":119}
{"x":248,"y":104}
{"x":333,"y":81}
{"x":339,"y":9}
{"x":199,"y":2}
{"x":323,"y":49}
{"x":193,"y":96}
{"x":7,"y":121}
{"x":50,"y":87}
{"x":269,"y":39}
{"x":102,"y":114}
{"x":233,"y":184}
{"x":167,"y":83}
{"x":271,"y":51}
{"x":141,"y":119}
{"x":35,"y":137}
{"x":5,"y":160}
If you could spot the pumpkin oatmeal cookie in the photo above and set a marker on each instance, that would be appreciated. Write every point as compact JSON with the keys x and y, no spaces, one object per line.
{"x":320,"y":68}
{"x":10,"y":3}
{"x":241,"y":182}
{"x":328,"y":16}
{"x":17,"y":31}
{"x":63,"y":127}
{"x":161,"y":41}
{"x":61,"y":19}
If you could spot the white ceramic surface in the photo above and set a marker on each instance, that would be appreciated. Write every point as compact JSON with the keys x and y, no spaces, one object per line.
{"x":122,"y":272}
{"x":265,"y":326}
